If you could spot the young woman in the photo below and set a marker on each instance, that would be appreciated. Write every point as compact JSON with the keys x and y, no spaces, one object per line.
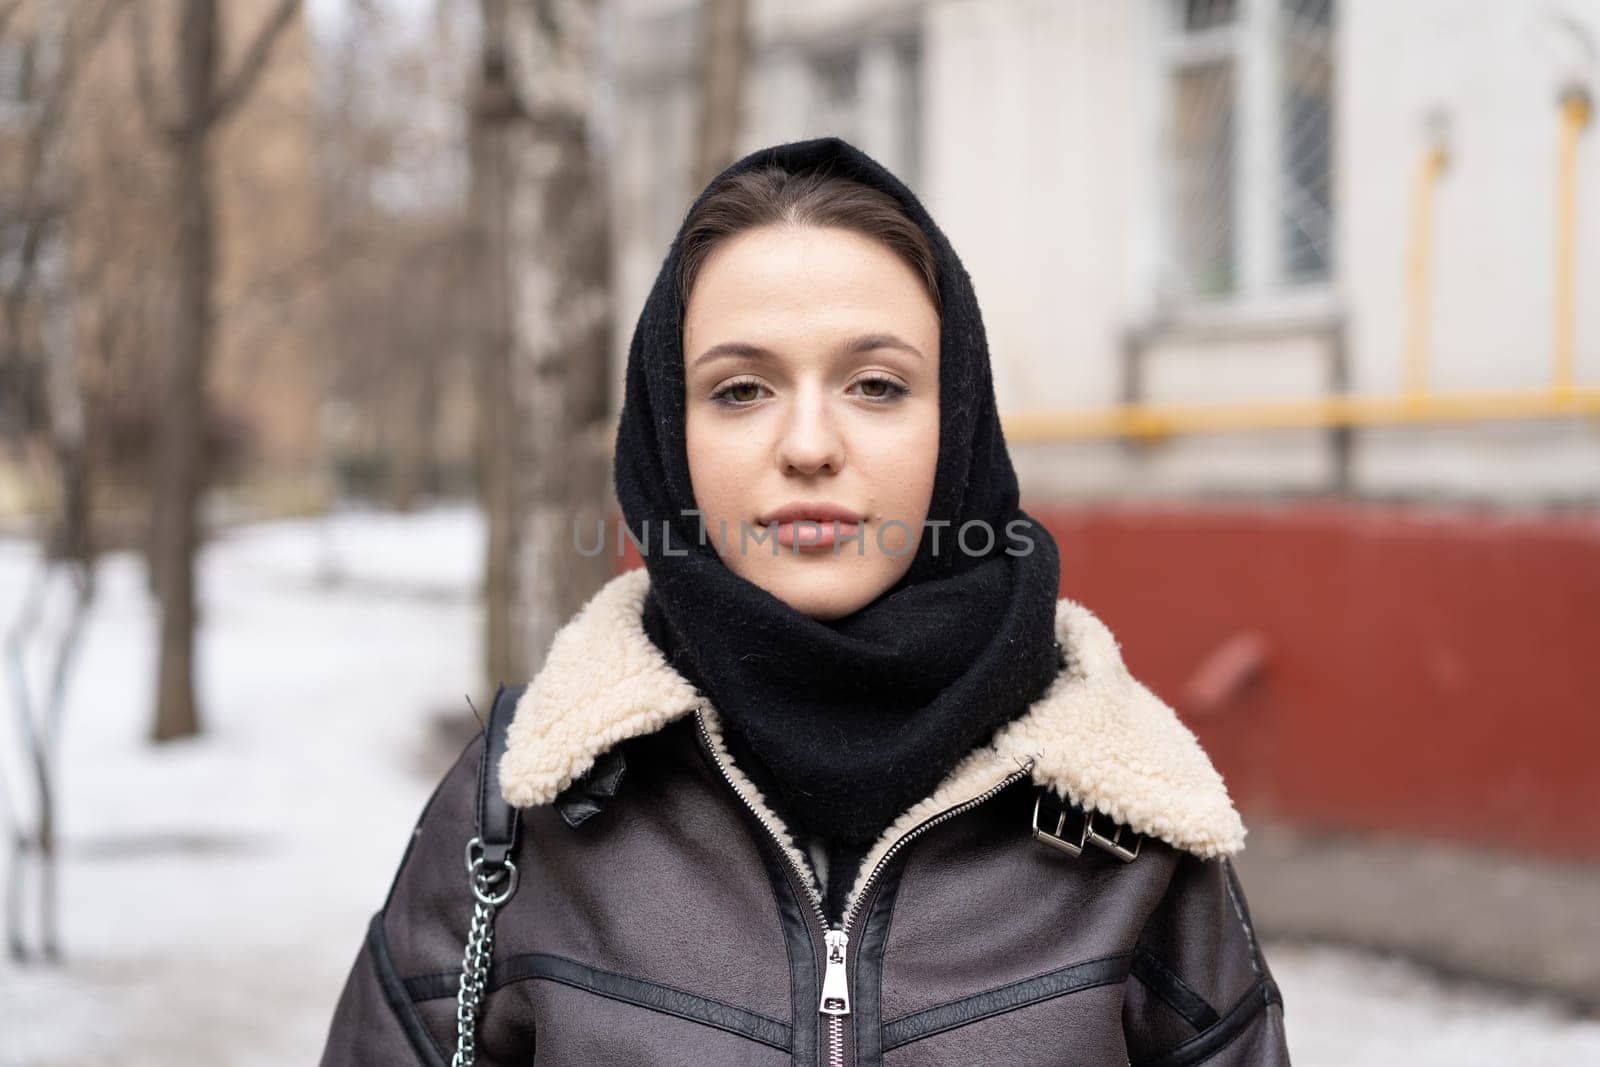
{"x":836,"y":778}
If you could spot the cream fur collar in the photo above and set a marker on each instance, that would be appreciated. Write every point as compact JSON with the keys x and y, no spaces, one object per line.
{"x":1097,"y":736}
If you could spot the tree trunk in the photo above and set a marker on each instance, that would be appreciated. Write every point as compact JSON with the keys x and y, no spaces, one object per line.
{"x":722,"y":49}
{"x":180,"y":472}
{"x":204,"y":101}
{"x":560,"y":290}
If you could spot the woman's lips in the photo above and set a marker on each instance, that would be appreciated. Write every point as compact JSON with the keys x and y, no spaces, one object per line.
{"x":814,"y":533}
{"x":803,"y":524}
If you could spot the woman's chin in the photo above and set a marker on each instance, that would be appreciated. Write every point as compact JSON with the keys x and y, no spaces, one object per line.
{"x":823,"y":586}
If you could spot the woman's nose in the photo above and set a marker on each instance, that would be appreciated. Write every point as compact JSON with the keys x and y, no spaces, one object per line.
{"x":810,"y":439}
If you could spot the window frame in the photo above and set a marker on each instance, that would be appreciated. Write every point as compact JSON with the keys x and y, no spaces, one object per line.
{"x":1262,"y":285}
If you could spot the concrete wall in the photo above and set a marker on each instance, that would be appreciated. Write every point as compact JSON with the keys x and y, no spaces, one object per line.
{"x":1494,"y":70}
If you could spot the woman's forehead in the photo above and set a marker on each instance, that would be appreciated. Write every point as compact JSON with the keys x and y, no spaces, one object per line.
{"x":773,"y":287}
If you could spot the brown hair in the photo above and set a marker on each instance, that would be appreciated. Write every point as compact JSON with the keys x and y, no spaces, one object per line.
{"x":772,"y":195}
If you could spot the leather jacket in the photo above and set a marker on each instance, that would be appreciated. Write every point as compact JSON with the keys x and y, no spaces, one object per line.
{"x":1065,"y":896}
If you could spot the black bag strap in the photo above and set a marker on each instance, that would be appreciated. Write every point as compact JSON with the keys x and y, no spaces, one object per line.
{"x":497,"y":821}
{"x":492,"y":872}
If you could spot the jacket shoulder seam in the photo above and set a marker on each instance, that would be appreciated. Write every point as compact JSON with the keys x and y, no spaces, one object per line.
{"x":416,"y":828}
{"x":400,"y":1003}
{"x":1236,"y":898}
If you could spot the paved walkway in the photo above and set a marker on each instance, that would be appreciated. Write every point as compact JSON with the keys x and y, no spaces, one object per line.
{"x":1522,"y":921}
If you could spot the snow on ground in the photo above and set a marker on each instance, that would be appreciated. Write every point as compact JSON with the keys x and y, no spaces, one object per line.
{"x":1349,"y":1009}
{"x":214,"y":892}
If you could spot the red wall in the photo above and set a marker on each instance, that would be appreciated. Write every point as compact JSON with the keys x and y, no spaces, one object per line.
{"x":1367,"y":667}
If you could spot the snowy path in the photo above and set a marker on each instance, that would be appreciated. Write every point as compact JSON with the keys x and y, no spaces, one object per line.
{"x":215,"y":892}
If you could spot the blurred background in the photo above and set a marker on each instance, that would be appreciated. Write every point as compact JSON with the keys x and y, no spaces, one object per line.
{"x":313,"y":319}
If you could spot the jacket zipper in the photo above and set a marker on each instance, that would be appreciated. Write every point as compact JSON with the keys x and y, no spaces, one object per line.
{"x":835,"y":1001}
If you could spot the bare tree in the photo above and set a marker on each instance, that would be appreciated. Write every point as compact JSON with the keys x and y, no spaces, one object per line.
{"x":206,"y":98}
{"x":45,"y":423}
{"x":396,"y":119}
{"x":545,"y":325}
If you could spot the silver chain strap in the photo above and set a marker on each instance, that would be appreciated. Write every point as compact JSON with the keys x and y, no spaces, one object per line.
{"x":480,"y":948}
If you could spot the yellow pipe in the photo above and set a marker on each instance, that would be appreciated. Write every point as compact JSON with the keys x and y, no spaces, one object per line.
{"x":1165,"y":420}
{"x":1421,"y":269}
{"x":1574,"y":117}
{"x":1415,"y":405}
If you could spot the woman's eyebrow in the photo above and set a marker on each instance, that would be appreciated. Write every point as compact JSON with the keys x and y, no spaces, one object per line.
{"x":864,"y":342}
{"x":732,"y":350}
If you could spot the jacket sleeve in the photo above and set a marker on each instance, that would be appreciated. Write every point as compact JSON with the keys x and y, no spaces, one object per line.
{"x":1199,"y":990}
{"x":375,"y":1022}
{"x":380,"y":1019}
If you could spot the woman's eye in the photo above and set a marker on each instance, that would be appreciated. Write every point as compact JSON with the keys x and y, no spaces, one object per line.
{"x":881,"y":388}
{"x":737,"y":394}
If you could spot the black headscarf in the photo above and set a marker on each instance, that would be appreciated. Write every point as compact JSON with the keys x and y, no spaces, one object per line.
{"x":851,"y":720}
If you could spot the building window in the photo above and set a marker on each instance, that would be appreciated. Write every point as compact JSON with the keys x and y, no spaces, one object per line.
{"x":1247,"y":103}
{"x":1305,"y":77}
{"x":1204,"y":14}
{"x":1202,"y":156}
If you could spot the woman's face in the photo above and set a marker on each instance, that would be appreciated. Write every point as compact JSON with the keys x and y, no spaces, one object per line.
{"x":811,"y":364}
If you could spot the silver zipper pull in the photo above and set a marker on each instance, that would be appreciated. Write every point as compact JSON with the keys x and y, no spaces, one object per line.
{"x":835,"y":990}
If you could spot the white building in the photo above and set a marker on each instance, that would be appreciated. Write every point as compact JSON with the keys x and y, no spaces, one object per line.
{"x":1183,"y":201}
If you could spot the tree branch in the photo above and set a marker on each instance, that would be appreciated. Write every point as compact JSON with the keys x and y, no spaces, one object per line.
{"x":236,"y":89}
{"x":156,"y":120}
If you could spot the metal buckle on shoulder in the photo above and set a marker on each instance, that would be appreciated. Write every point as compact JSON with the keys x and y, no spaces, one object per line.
{"x":1088,"y":835}
{"x":485,"y":877}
